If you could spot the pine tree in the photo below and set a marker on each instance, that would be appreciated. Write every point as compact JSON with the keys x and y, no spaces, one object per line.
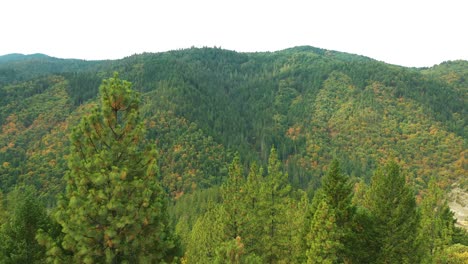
{"x":207,"y":236}
{"x":324,"y":236}
{"x":393,"y":207}
{"x":301,"y":218}
{"x":272,"y":207}
{"x":338,"y":193}
{"x":114,"y":209}
{"x":232,"y":251}
{"x":3,"y":212}
{"x":232,"y":192}
{"x":251,"y":199}
{"x":437,"y":224}
{"x":17,"y":234}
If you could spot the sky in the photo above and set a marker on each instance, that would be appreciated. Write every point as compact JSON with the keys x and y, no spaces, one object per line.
{"x":413,"y":33}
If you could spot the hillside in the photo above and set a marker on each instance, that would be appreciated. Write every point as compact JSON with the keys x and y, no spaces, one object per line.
{"x":213,"y":156}
{"x":203,"y":105}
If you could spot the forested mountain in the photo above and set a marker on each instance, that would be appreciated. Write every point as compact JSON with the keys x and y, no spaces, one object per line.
{"x":203,"y":107}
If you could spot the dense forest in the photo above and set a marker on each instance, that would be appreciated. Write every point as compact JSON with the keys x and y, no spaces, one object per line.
{"x":206,"y":155}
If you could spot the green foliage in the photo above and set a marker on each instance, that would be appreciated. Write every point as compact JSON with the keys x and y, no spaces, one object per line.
{"x":201,"y":105}
{"x":251,"y":236}
{"x":299,"y":222}
{"x":456,"y":254}
{"x":324,"y":236}
{"x":460,"y":236}
{"x":437,"y":224}
{"x":208,"y":233}
{"x":232,"y":192}
{"x":189,"y":159}
{"x":311,"y":103}
{"x":393,"y":207}
{"x":3,"y":212}
{"x":273,"y":211}
{"x":337,"y":192}
{"x":17,"y":234}
{"x":114,"y":209}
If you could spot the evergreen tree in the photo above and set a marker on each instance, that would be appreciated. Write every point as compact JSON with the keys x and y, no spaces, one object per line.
{"x":324,"y":236}
{"x":251,"y":199}
{"x":3,"y":212}
{"x":233,"y":251}
{"x":338,"y":193}
{"x":437,"y":224}
{"x":17,"y":234}
{"x":114,"y":209}
{"x":301,"y":218}
{"x":393,"y":207}
{"x":232,"y":192}
{"x":273,"y":210}
{"x":207,"y":236}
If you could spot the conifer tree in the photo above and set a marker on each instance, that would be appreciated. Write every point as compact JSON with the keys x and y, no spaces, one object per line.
{"x":273,"y":209}
{"x":251,"y":199}
{"x":114,"y":209}
{"x":324,"y":236}
{"x":301,"y":218}
{"x":393,"y":206}
{"x":338,"y":193}
{"x":232,"y":199}
{"x":3,"y":213}
{"x":207,"y":236}
{"x":437,"y":225}
{"x":17,"y":234}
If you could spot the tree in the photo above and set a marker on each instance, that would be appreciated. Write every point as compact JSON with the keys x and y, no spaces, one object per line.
{"x":114,"y":208}
{"x":207,"y":236}
{"x":437,"y":224}
{"x":301,"y":218}
{"x":232,"y":199}
{"x":17,"y":234}
{"x":338,"y":194}
{"x":251,"y":200}
{"x":393,"y":207}
{"x":324,"y":236}
{"x":3,"y":212}
{"x":273,"y":208}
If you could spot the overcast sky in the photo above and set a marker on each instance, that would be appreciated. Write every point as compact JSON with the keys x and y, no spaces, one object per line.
{"x":404,"y":32}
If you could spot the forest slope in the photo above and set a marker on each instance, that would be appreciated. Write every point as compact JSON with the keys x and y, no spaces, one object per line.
{"x":202,"y":105}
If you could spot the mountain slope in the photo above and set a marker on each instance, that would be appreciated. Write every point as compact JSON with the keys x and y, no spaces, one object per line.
{"x":201,"y":105}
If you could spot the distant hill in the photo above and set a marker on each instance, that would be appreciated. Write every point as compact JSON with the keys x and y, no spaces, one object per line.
{"x":21,"y":57}
{"x":203,"y":105}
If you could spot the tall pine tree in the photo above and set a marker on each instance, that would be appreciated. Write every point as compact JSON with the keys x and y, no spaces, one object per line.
{"x":17,"y":234}
{"x":232,"y":192}
{"x":114,"y":208}
{"x":437,"y":225}
{"x":338,"y":193}
{"x":251,"y":199}
{"x":273,"y":217}
{"x":207,"y":236}
{"x":324,"y":236}
{"x":393,"y":207}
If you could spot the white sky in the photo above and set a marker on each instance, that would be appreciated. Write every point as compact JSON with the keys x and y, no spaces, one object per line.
{"x":403,"y":32}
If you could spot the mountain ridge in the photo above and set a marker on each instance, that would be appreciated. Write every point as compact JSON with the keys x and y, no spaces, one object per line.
{"x":303,"y":48}
{"x":11,"y":57}
{"x":312,"y":104}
